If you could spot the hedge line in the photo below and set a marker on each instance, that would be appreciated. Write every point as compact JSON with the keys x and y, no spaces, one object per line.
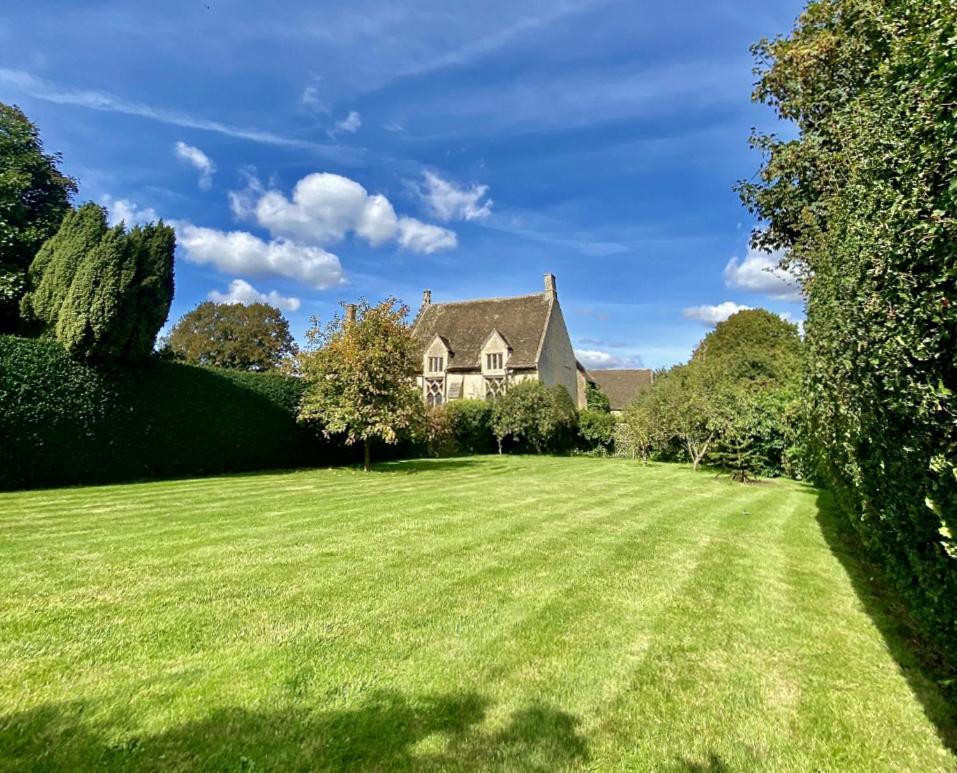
{"x":64,"y":422}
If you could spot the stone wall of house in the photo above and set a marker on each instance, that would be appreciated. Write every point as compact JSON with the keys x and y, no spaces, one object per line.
{"x":556,"y":364}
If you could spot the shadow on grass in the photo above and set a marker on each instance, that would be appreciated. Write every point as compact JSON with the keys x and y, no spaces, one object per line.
{"x":381,"y":734}
{"x":714,"y":765}
{"x":413,"y":466}
{"x":929,"y":673}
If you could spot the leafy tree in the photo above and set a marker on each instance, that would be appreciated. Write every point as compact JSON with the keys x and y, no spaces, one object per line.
{"x":752,"y":364}
{"x":360,"y":376}
{"x":242,"y":337}
{"x":753,"y":345}
{"x":102,"y":292}
{"x":864,"y":203}
{"x":596,"y":400}
{"x":638,"y":432}
{"x":34,"y":197}
{"x":534,"y":416}
{"x":682,"y":403}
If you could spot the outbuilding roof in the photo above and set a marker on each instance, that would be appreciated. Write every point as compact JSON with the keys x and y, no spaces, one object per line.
{"x":622,"y":386}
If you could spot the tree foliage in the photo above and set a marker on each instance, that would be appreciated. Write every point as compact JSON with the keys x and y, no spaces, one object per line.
{"x":864,"y":201}
{"x":735,"y":391}
{"x":535,"y":417}
{"x":596,"y":400}
{"x":34,"y":197}
{"x":102,"y":292}
{"x":360,"y":376}
{"x":252,"y":337}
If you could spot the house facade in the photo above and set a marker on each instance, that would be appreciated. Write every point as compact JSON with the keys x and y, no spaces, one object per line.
{"x":475,"y":350}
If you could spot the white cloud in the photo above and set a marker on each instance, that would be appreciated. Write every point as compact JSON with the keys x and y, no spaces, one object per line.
{"x":712,"y":315}
{"x":350,"y":123}
{"x":240,"y":291}
{"x":125,"y":211}
{"x":758,"y":272}
{"x":599,"y":360}
{"x":324,"y":208}
{"x":239,"y":252}
{"x":202,"y":163}
{"x":449,"y":202}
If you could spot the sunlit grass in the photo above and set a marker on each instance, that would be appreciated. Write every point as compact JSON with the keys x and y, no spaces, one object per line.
{"x":500,"y":612}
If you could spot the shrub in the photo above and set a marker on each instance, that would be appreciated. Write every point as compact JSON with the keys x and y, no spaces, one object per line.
{"x":533,"y":417}
{"x":67,"y":422}
{"x":470,"y":426}
{"x":596,"y":430}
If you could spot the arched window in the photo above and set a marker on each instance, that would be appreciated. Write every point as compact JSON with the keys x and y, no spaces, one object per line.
{"x":435,"y":391}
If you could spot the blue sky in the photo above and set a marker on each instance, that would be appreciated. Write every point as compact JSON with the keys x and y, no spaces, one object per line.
{"x":319,"y":152}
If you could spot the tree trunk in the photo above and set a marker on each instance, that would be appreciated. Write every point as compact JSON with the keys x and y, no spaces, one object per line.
{"x":367,"y":455}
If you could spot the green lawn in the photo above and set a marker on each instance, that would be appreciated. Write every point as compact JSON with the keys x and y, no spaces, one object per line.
{"x":505,"y":613}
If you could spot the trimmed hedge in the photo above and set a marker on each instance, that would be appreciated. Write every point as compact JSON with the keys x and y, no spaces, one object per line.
{"x":65,"y":422}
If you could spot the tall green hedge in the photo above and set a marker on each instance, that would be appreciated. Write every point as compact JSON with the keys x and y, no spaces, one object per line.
{"x":65,"y":422}
{"x":864,"y":201}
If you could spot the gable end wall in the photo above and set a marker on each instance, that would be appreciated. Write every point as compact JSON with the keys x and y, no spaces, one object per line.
{"x":556,"y":362}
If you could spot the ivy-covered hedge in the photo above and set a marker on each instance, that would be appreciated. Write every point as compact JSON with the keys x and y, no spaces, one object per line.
{"x":64,"y":422}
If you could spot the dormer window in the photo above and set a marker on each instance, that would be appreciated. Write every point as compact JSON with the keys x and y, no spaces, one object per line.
{"x":436,"y":364}
{"x":494,"y":361}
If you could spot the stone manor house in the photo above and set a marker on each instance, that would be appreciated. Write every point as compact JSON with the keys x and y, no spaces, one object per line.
{"x":477,"y":349}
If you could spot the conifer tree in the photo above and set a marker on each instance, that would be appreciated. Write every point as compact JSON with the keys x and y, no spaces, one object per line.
{"x":52,"y":272}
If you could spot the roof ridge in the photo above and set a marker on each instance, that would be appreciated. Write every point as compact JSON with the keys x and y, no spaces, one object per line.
{"x":486,"y":300}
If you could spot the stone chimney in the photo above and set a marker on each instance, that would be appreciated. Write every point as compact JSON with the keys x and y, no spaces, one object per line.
{"x":426,"y":297}
{"x":550,"y":289}
{"x":350,"y":312}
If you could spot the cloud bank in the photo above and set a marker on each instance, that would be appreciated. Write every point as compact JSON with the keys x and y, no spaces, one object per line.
{"x":324,"y":208}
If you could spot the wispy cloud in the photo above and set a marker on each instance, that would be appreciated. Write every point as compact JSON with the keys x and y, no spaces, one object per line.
{"x":38,"y":88}
{"x":448,"y":201}
{"x":350,"y":124}
{"x":202,"y":163}
{"x":495,"y":41}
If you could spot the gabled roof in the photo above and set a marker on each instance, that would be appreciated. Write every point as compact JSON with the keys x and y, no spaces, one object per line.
{"x":621,"y":386}
{"x":466,"y":325}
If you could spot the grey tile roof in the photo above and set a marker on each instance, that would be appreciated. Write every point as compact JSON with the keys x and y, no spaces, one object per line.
{"x":465,"y":326}
{"x":621,"y":386}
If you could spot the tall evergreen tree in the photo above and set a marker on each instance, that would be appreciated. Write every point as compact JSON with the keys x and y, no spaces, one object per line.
{"x":34,"y":197}
{"x":53,"y":269}
{"x":102,"y":292}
